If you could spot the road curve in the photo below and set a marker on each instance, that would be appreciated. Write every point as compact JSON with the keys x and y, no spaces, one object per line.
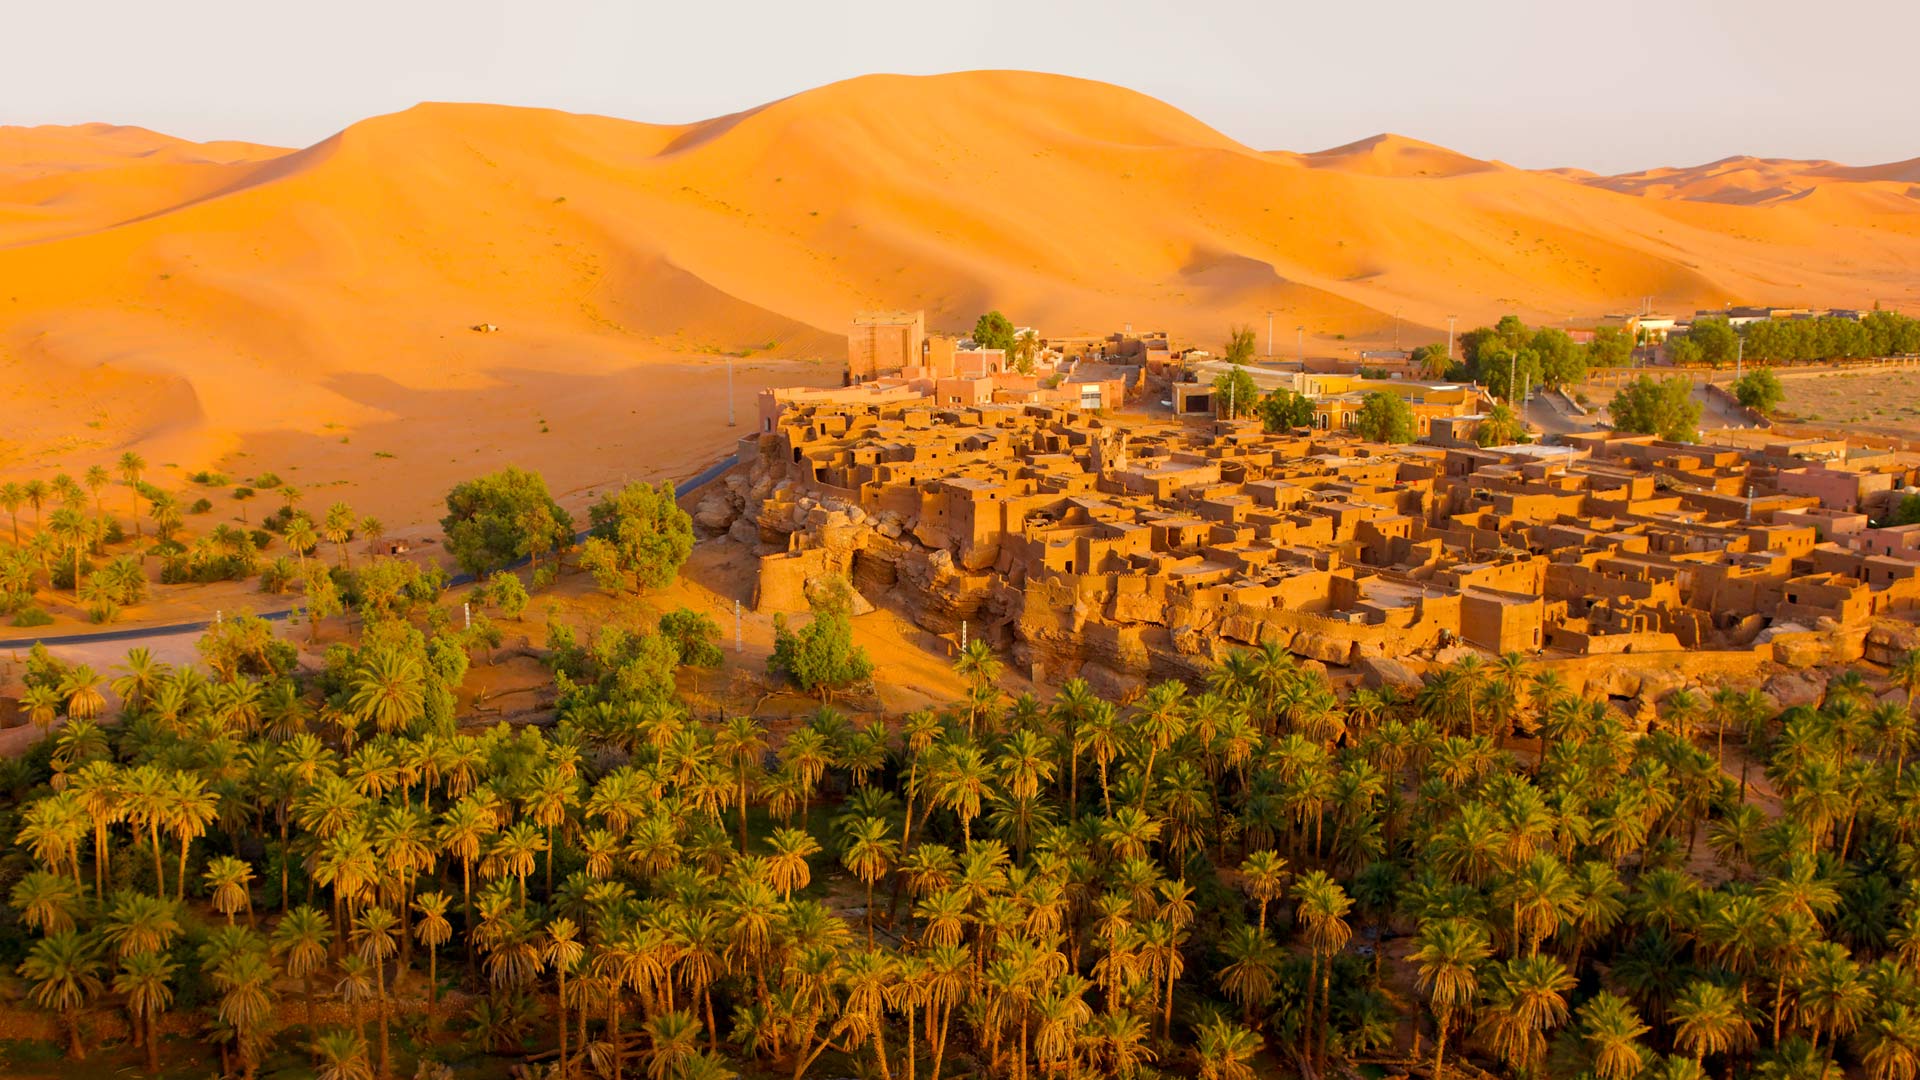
{"x":136,"y":633}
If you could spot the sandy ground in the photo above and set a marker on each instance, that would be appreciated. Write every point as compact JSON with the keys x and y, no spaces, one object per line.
{"x":1880,"y":404}
{"x":198,"y":301}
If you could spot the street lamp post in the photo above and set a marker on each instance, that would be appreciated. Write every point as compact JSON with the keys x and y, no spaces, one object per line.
{"x":1269,"y":334}
{"x":1450,"y":319}
{"x":1301,"y":341}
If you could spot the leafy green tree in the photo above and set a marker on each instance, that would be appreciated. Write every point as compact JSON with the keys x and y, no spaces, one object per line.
{"x":1240,"y":345}
{"x":693,"y":635}
{"x":502,"y":516}
{"x":506,"y":592}
{"x":1760,"y":390}
{"x":1235,"y":394}
{"x":821,"y":657}
{"x":1560,"y":362}
{"x":1385,"y":417}
{"x":650,"y":536}
{"x":1717,"y":340}
{"x":1611,"y":346}
{"x":993,"y":331}
{"x":1907,"y":512}
{"x":1284,"y":410}
{"x":1663,"y":407}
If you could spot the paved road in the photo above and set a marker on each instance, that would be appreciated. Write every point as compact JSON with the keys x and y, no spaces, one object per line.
{"x":137,"y":633}
{"x":1552,"y":416}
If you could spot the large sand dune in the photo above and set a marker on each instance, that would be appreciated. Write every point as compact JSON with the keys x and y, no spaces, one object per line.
{"x":196,"y":299}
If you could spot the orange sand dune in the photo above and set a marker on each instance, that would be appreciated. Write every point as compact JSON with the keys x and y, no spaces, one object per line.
{"x":203,"y":300}
{"x":1750,"y":181}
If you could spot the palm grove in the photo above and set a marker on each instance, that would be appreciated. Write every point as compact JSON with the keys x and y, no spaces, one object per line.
{"x":1220,"y":878}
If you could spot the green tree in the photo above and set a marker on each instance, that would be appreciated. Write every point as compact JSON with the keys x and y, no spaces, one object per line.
{"x":1716,"y":339}
{"x":1431,"y":360}
{"x":1385,"y":417}
{"x":1663,"y":407}
{"x":1284,"y":410}
{"x":1240,"y":345}
{"x":649,"y":534}
{"x":1611,"y":346}
{"x":1760,"y":390}
{"x":993,"y":331}
{"x":64,"y":973}
{"x":506,"y":592}
{"x":821,"y":657}
{"x":503,"y":516}
{"x":1235,"y":394}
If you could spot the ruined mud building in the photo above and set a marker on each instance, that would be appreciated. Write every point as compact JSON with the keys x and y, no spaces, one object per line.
{"x":1121,"y":548}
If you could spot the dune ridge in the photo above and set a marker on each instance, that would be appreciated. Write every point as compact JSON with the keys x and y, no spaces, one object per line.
{"x":265,"y":285}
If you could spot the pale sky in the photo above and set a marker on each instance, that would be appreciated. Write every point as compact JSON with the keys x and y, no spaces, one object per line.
{"x":1611,"y":86}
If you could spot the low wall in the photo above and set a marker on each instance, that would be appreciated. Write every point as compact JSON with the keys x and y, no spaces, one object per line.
{"x":1726,"y":397}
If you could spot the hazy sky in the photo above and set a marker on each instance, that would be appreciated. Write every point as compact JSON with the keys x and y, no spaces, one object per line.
{"x":1613,"y":86}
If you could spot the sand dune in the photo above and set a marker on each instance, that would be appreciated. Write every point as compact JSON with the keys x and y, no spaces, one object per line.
{"x":201,"y":299}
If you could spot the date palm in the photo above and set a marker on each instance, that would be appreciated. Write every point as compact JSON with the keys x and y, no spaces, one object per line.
{"x":1890,"y":1044}
{"x":1324,"y":906}
{"x":80,"y":686}
{"x":131,"y":466}
{"x":63,"y":971}
{"x":432,"y":930}
{"x":144,"y":982}
{"x":139,"y":924}
{"x":562,"y":951}
{"x":1611,"y":1028}
{"x":337,"y":529}
{"x":373,"y":942}
{"x":869,"y":853}
{"x":1448,"y":953}
{"x":301,"y":940}
{"x":46,"y":901}
{"x":342,"y":1055}
{"x":1710,"y":1019}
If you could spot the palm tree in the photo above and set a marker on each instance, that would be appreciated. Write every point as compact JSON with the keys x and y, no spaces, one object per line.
{"x":563,"y":950}
{"x":432,"y":930}
{"x":244,"y":977}
{"x":1527,"y":999}
{"x":337,"y":529}
{"x":139,"y":924}
{"x":1708,"y":1018}
{"x":42,"y":704}
{"x":131,"y":466}
{"x":97,"y":478}
{"x":302,"y":539}
{"x":11,"y":496}
{"x":1264,"y":876}
{"x":46,"y":901}
{"x":869,"y":852}
{"x":389,"y":690}
{"x":1890,"y":1044}
{"x":1161,"y":720}
{"x":189,"y":808}
{"x":64,"y":969}
{"x":1324,"y":905}
{"x":70,"y":528}
{"x":1611,"y":1029}
{"x":342,"y":1056}
{"x":80,"y":686}
{"x":143,"y":982}
{"x":1448,"y":953}
{"x":301,"y":941}
{"x":373,"y":933}
{"x":1252,"y":970}
{"x":1226,"y":1050}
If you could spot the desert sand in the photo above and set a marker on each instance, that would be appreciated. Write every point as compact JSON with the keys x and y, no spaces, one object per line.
{"x":310,"y":309}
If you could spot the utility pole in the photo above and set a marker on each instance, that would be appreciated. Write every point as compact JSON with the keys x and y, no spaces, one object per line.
{"x":1513,"y":373}
{"x":730,"y":422}
{"x":1739,"y":358}
{"x":739,"y":643}
{"x":1450,"y":319}
{"x":1301,"y":339}
{"x":1396,"y":329}
{"x":1269,"y":333}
